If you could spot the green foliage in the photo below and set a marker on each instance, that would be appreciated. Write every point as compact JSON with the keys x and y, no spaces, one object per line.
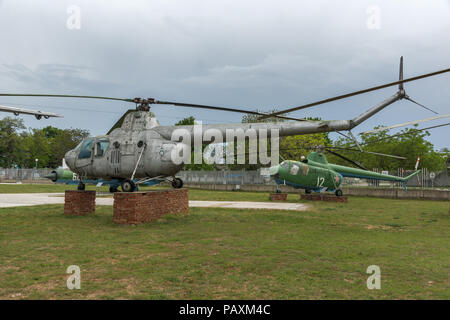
{"x":409,"y":143}
{"x":48,"y":145}
{"x":9,"y":139}
{"x":291,"y":147}
{"x":252,"y":118}
{"x":190,"y":121}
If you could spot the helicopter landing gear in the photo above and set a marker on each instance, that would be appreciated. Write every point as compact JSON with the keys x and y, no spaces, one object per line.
{"x":81,"y":186}
{"x":338,"y":193}
{"x":112,"y":189}
{"x":177,"y":183}
{"x":128,"y":186}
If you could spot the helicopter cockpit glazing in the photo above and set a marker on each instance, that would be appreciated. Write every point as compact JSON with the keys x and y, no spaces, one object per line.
{"x":85,"y":149}
{"x":101,"y":146}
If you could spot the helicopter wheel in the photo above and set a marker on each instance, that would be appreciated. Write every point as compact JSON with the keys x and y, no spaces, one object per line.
{"x":112,"y":189}
{"x":128,"y":186}
{"x":177,"y":183}
{"x":338,"y":193}
{"x":307,"y":191}
{"x":81,"y":186}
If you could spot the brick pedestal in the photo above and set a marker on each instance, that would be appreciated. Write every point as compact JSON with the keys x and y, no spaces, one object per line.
{"x":79,"y":203}
{"x":140,"y":207}
{"x":322,"y":197}
{"x":278,"y":196}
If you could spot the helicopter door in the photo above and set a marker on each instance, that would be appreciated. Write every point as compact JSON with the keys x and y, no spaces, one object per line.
{"x":100,"y":167}
{"x":85,"y":158}
{"x":114,"y":160}
{"x":127,"y":158}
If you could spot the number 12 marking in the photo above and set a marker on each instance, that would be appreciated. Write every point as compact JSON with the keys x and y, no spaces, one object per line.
{"x":320,"y":181}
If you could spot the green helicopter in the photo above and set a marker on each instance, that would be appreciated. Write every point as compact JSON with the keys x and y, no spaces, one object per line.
{"x":314,"y":173}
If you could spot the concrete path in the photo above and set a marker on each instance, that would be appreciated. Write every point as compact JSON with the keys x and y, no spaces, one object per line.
{"x":249,"y":205}
{"x":33,"y":199}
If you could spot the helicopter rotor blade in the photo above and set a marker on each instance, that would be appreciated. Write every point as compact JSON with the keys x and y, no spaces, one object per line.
{"x":400,"y":74}
{"x":200,"y":106}
{"x":347,"y":95}
{"x":62,"y":96}
{"x":347,"y":159}
{"x":406,"y":124}
{"x":369,"y":152}
{"x":38,"y":114}
{"x":405,"y":133}
{"x":150,"y":101}
{"x":408,"y":98}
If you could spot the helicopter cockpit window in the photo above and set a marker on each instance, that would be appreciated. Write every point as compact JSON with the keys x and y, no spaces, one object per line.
{"x":100,"y":147}
{"x":285,"y":165}
{"x":294,"y":170}
{"x":78,"y":147}
{"x":86,"y":149}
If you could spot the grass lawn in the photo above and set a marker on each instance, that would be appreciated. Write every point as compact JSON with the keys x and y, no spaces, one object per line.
{"x":43,"y":188}
{"x":231,"y":254}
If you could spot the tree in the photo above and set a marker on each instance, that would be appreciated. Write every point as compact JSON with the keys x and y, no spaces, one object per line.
{"x":34,"y":145}
{"x":293,"y":147}
{"x":63,"y":141}
{"x":48,"y":145}
{"x":9,"y":140}
{"x":409,"y":143}
{"x":290,"y":147}
{"x":190,"y":121}
{"x":253,"y":118}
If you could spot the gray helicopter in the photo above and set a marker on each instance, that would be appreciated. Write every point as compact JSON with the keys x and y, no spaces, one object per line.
{"x":136,"y":151}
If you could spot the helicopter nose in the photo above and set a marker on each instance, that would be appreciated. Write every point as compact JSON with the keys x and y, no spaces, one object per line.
{"x":274,"y":170}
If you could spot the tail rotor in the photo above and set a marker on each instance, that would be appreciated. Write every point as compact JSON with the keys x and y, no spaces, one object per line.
{"x":402,"y":91}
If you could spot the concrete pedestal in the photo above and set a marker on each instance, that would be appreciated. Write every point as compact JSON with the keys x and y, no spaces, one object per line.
{"x":79,"y":203}
{"x":141,"y":207}
{"x":278,"y":196}
{"x":322,"y":197}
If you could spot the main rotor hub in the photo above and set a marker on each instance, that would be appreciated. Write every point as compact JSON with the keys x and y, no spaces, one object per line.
{"x":143,"y":104}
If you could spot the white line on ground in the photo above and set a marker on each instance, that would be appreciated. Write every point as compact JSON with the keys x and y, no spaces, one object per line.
{"x":33,"y":199}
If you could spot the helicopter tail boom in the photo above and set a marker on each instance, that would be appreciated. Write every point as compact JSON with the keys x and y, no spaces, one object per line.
{"x":411,"y":175}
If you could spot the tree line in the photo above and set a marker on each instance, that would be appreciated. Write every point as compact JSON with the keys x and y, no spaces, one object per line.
{"x":20,"y":147}
{"x":409,"y":143}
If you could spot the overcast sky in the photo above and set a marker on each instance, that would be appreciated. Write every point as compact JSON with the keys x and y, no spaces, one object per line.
{"x":249,"y":54}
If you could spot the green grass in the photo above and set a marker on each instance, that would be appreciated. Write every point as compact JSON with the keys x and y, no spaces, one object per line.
{"x":322,"y":253}
{"x":43,"y":188}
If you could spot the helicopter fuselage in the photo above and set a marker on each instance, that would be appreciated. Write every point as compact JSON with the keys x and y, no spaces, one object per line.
{"x":315,"y":174}
{"x":118,"y":156}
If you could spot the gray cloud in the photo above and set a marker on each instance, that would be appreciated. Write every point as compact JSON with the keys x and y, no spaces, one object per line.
{"x":261,"y":54}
